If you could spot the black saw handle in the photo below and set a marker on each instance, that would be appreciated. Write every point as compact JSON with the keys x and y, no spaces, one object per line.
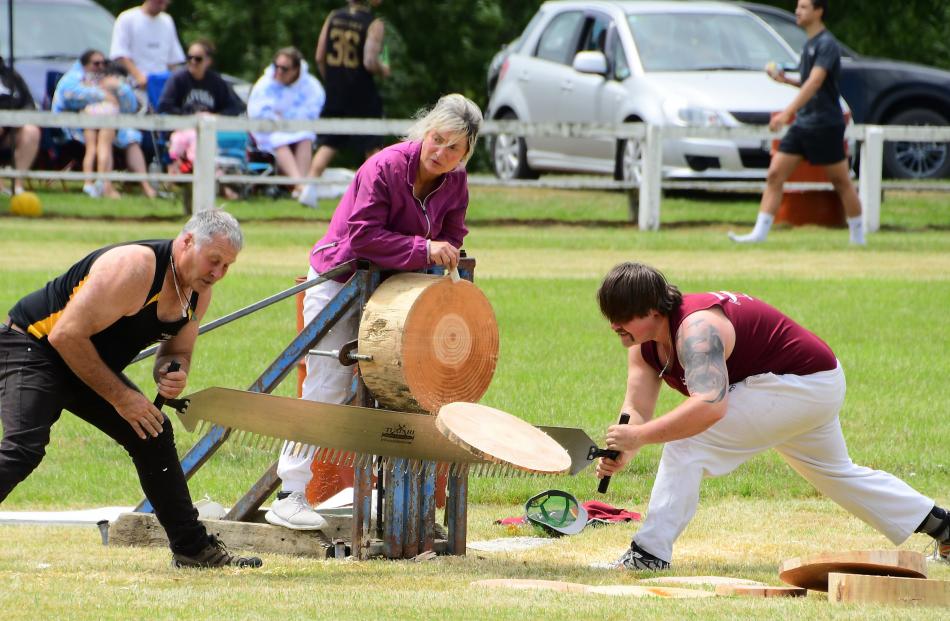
{"x":605,"y":482}
{"x":159,"y":399}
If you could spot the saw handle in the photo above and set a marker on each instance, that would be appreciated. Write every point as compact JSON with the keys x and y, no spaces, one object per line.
{"x":605,"y":482}
{"x":159,"y":399}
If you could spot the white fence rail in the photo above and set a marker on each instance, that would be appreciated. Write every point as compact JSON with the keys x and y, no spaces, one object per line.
{"x":203,"y":179}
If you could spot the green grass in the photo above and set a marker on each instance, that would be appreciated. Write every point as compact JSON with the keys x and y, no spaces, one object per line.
{"x":881,"y":308}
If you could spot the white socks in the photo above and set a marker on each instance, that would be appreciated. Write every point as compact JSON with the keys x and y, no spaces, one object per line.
{"x":763,"y":222}
{"x":856,"y":227}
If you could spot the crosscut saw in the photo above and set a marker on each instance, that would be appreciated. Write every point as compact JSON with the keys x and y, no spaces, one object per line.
{"x":351,"y":435}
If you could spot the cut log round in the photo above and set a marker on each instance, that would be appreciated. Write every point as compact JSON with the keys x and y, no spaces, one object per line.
{"x":811,"y":572}
{"x":499,"y":437}
{"x":760,"y":590}
{"x":433,"y":341}
{"x":854,"y":588}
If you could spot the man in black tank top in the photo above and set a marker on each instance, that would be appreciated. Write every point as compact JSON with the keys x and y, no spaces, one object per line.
{"x":349,"y":53}
{"x":65,"y":346}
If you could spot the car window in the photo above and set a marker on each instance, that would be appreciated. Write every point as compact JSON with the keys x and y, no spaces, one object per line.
{"x":789,"y":31}
{"x":705,"y":41}
{"x":75,"y":29}
{"x":594,"y":38}
{"x":617,"y":59}
{"x":558,"y":42}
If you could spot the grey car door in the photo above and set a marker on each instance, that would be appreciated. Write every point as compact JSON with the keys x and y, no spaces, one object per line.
{"x":541,"y":74}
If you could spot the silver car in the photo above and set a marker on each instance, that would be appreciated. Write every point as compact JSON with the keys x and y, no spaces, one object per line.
{"x":668,"y":63}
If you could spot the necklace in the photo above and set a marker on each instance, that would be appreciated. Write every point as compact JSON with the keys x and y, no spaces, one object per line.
{"x":669,"y":359}
{"x":184,"y":301}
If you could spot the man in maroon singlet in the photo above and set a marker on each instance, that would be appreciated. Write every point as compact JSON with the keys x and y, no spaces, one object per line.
{"x":753,"y":380}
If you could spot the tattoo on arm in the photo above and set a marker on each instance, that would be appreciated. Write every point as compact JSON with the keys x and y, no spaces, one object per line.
{"x":703,"y":356}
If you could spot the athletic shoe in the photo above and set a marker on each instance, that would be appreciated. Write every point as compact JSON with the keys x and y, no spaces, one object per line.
{"x":308,"y":196}
{"x":637,"y":559}
{"x":215,"y":554}
{"x":92,"y":190}
{"x":294,"y":512}
{"x":749,"y":238}
{"x":943,"y":551}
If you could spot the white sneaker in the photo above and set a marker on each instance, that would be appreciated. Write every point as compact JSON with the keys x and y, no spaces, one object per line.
{"x":92,"y":190}
{"x":294,"y":512}
{"x":750,"y":238}
{"x":308,"y":196}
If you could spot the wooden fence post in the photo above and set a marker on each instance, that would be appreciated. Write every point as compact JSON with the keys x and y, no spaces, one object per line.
{"x":651,"y":182}
{"x":872,"y":159}
{"x":203,"y":187}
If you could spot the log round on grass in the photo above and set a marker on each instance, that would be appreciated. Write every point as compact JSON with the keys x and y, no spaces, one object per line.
{"x":499,"y":437}
{"x":811,"y":572}
{"x":433,"y":341}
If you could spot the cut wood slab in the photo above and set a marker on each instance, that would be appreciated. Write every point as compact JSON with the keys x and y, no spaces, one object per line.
{"x":432,"y":342}
{"x":710,"y":580}
{"x":533,"y":585}
{"x":853,"y":588}
{"x":633,"y":590}
{"x":811,"y":572}
{"x":497,"y":436}
{"x":760,"y":591}
{"x":623,"y":590}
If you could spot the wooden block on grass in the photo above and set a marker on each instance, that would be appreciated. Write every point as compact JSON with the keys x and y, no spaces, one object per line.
{"x":710,"y":580}
{"x":811,"y":572}
{"x":855,"y":588}
{"x":575,"y":587}
{"x":760,"y":591}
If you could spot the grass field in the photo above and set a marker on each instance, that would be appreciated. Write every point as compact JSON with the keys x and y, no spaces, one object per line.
{"x":540,"y":257}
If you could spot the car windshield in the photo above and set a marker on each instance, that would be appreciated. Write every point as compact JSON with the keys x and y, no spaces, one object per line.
{"x":77,"y":28}
{"x":705,"y":42}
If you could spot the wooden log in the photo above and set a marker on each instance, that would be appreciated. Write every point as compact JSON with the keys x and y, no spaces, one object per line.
{"x":499,"y":437}
{"x":623,"y":590}
{"x":752,"y":590}
{"x":433,"y":341}
{"x":811,"y":572}
{"x":856,"y":588}
{"x":707,"y":580}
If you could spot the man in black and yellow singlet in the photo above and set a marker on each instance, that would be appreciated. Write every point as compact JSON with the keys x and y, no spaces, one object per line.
{"x":65,"y":346}
{"x":349,"y":53}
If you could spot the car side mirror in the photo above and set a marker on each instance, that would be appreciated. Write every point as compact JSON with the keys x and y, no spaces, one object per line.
{"x":590,"y":62}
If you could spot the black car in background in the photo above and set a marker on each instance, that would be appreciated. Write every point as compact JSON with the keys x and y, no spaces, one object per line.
{"x":885,"y":92}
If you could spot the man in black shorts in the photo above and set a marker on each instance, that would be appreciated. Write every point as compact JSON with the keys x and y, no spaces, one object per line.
{"x":817,"y":133}
{"x":348,"y":56}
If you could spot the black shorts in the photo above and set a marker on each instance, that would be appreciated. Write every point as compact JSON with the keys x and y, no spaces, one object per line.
{"x":361,"y":143}
{"x":821,"y":146}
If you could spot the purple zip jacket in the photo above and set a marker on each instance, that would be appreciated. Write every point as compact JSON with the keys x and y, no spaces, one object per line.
{"x":378,"y":218}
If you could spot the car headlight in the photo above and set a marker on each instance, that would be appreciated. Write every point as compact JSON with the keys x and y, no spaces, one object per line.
{"x":681,"y":113}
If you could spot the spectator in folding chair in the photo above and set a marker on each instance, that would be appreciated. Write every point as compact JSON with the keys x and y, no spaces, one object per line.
{"x":196,"y":89}
{"x":23,"y":141}
{"x":74,"y":94}
{"x":287,"y":91}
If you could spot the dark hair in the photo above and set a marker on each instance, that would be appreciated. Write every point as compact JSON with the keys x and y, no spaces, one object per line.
{"x":86,"y":56}
{"x":292,"y":53}
{"x":206,"y":45}
{"x":634,"y":289}
{"x":823,"y":5}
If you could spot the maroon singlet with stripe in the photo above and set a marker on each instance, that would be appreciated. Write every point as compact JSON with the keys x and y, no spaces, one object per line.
{"x":767,"y":341}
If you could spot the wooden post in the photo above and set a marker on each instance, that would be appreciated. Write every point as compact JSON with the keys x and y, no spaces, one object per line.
{"x":203,"y":186}
{"x":872,"y":160}
{"x":651,"y":183}
{"x":856,"y":588}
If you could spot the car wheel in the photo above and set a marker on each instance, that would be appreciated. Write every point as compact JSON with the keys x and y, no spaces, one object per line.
{"x":917,"y":160}
{"x":629,"y":161}
{"x":509,"y":154}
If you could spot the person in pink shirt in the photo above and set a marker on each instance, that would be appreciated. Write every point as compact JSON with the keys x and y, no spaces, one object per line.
{"x":404,"y":210}
{"x":753,"y":379}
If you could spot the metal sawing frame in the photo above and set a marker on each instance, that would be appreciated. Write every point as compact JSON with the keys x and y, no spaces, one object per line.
{"x":408,"y":496}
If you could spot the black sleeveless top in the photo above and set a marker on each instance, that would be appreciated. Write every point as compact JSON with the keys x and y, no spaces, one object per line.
{"x":119,"y":343}
{"x":350,"y":88}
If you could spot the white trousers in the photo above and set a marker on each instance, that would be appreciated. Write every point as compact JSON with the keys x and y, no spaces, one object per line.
{"x":798,"y":417}
{"x":327,"y":380}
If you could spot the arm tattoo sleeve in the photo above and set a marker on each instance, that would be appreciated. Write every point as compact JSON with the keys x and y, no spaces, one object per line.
{"x":703,"y":356}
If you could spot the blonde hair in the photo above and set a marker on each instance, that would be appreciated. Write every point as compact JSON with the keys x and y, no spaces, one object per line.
{"x":454,"y":114}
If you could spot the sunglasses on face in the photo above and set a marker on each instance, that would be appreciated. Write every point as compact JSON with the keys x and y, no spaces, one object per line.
{"x":97,"y":63}
{"x":283,"y":68}
{"x":195,"y":59}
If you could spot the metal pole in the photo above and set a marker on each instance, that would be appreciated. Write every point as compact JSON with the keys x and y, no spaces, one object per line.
{"x":10,"y":59}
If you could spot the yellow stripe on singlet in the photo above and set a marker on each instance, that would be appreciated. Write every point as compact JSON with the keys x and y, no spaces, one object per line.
{"x":44,"y":326}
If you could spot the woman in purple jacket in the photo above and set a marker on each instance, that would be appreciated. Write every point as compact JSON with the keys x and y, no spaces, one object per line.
{"x":404,"y":210}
